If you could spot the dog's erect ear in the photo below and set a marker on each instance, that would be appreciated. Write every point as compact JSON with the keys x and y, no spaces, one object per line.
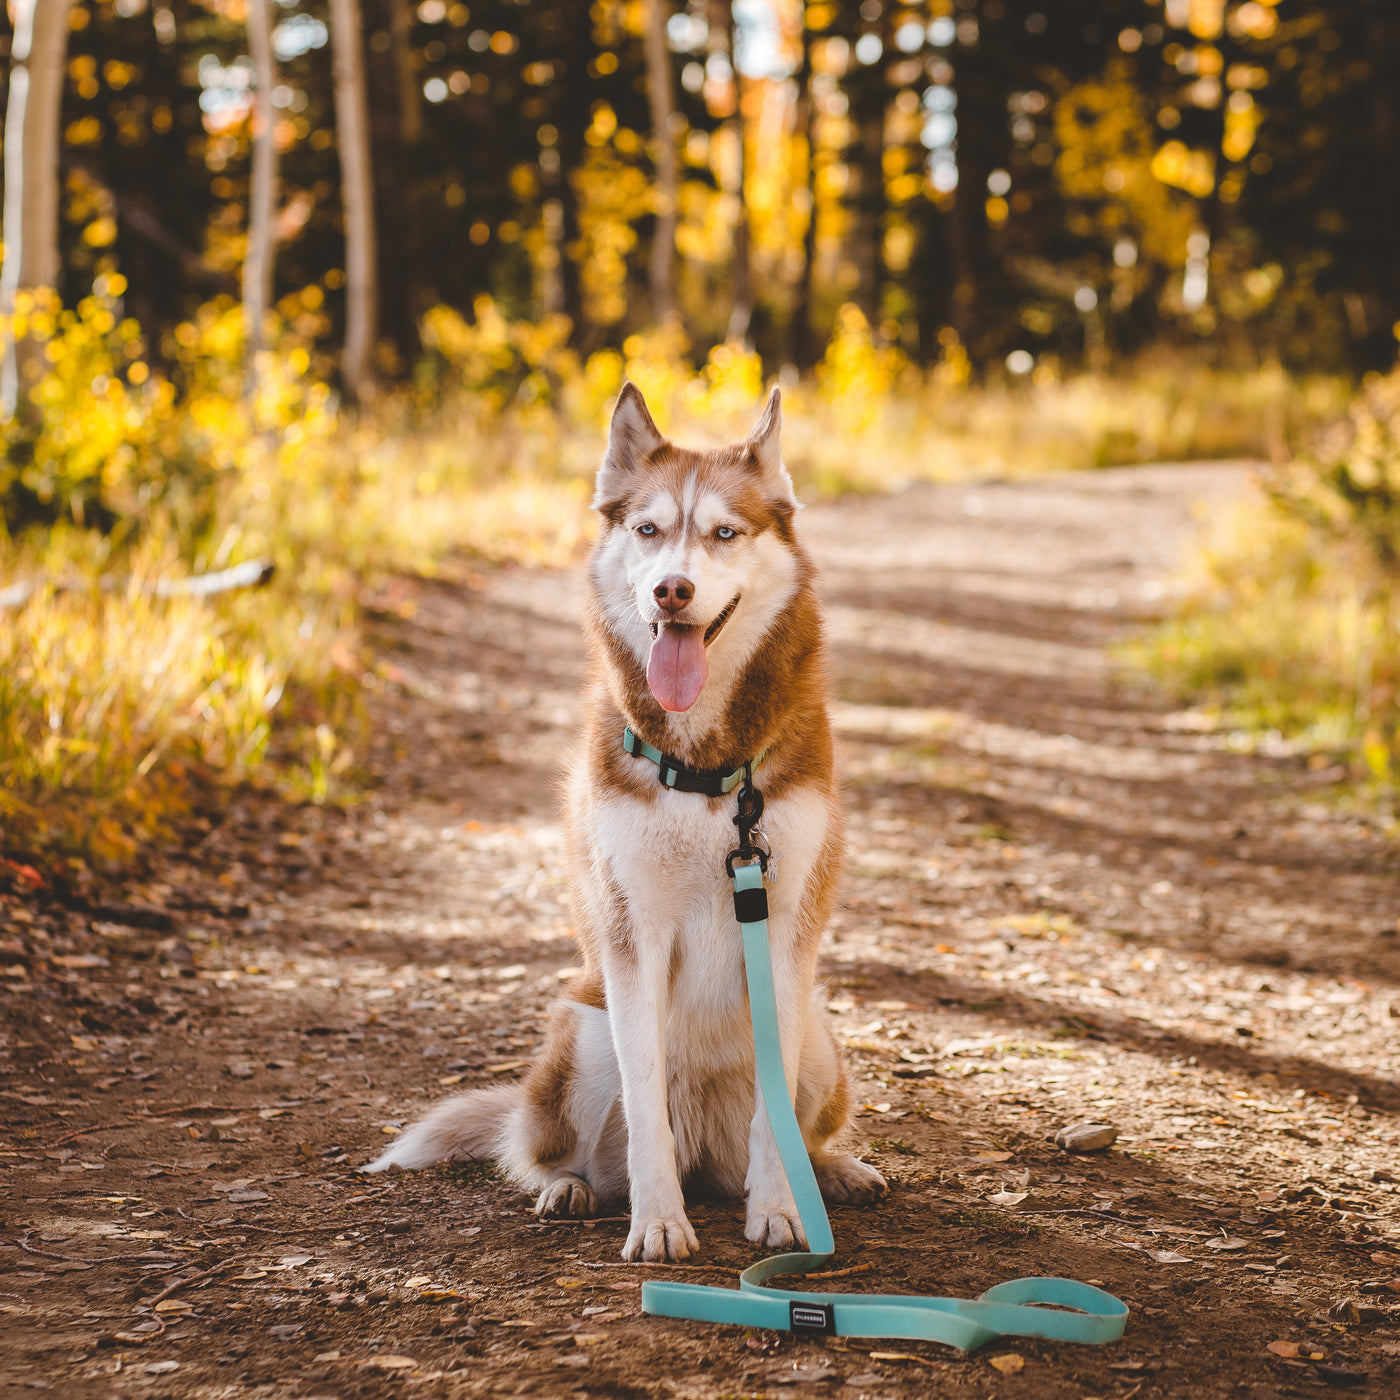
{"x":632,"y":438}
{"x":764,"y":443}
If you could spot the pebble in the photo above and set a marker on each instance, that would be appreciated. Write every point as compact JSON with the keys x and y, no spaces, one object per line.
{"x":1086,"y":1137}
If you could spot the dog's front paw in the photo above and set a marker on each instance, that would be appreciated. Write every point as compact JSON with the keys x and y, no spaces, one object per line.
{"x":844,"y":1179}
{"x":567,"y":1195}
{"x":774,"y":1226}
{"x":658,"y":1239}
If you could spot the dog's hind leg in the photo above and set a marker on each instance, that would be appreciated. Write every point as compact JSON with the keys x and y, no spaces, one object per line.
{"x":823,"y":1105}
{"x":566,"y":1139}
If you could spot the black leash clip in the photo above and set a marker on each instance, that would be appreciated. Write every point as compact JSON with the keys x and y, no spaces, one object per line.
{"x":747,"y":818}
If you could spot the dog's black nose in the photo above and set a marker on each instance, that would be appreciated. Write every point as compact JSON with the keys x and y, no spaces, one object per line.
{"x":673,"y":593}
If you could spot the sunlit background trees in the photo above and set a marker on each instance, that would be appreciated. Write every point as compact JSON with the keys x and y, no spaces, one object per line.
{"x":1072,"y":182}
{"x":349,"y":284}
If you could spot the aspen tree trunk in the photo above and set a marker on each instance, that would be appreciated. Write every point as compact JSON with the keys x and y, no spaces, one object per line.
{"x":261,"y":256}
{"x":662,"y":99}
{"x":31,"y":177}
{"x":742,"y":312}
{"x":357,"y":196}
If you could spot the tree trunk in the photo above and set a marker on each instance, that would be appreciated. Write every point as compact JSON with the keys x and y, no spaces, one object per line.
{"x":396,"y":123}
{"x":800,"y":336}
{"x":742,"y":312}
{"x":410,"y":94}
{"x":261,"y":255}
{"x":357,"y":198}
{"x":661,"y":97}
{"x":31,"y":177}
{"x":868,"y":92}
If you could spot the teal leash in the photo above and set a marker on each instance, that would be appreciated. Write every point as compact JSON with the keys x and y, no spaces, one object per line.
{"x":1023,"y":1307}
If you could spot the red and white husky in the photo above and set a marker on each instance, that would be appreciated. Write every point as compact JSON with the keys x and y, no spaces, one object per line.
{"x":706,"y":640}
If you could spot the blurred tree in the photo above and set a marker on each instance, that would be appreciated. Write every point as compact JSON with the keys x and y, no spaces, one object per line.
{"x":259,"y":259}
{"x":742,"y":313}
{"x":983,"y":177}
{"x":32,"y":111}
{"x":395,"y":102}
{"x":357,"y":194}
{"x":662,"y":97}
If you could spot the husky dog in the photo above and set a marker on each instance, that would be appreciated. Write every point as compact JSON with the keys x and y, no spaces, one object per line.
{"x":706,"y":642}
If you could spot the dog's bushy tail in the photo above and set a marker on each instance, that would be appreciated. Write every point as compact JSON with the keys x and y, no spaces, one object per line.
{"x":467,"y":1128}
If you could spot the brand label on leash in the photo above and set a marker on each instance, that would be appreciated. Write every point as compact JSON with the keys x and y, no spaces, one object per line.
{"x":812,"y":1317}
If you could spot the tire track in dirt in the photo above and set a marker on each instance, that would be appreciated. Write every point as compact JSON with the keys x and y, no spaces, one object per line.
{"x":1066,"y":900}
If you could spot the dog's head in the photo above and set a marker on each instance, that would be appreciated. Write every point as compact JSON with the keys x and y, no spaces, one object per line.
{"x":697,"y":557}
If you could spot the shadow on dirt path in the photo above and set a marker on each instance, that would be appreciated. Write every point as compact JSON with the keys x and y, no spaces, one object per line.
{"x":1067,"y":900}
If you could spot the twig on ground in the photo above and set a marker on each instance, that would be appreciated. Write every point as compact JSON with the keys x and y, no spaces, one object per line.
{"x":252,"y":574}
{"x":642,"y":1264}
{"x":185,"y":1282}
{"x":46,"y":1254}
{"x":74,"y":1259}
{"x":83,"y":1132}
{"x":570,"y":1220}
{"x":842,"y":1273}
{"x":1098,"y":1214}
{"x":146,"y":1116}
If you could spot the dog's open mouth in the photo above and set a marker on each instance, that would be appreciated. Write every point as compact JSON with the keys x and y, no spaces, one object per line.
{"x":677,"y":666}
{"x":713,"y":630}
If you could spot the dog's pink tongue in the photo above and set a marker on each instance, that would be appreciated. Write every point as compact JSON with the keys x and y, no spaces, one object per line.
{"x":677,"y":668}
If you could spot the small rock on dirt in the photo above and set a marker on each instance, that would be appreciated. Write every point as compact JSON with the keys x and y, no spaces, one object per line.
{"x":1341,"y":1376}
{"x":1086,"y":1137}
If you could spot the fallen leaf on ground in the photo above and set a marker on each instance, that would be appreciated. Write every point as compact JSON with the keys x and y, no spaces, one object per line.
{"x":390,"y":1363}
{"x":1009,"y":1364}
{"x":1167,"y":1256}
{"x":1008,"y":1198}
{"x":1232,"y":1245}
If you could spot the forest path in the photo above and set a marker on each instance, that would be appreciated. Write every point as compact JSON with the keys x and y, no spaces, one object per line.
{"x":1067,"y":900}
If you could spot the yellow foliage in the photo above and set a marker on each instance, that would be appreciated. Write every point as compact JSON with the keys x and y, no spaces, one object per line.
{"x":856,"y":374}
{"x":1107,"y":159}
{"x":1193,"y":171}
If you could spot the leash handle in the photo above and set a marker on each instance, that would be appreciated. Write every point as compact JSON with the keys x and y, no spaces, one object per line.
{"x":1015,"y":1308}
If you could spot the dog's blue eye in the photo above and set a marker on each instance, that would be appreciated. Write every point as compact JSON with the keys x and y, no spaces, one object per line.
{"x":726,"y":532}
{"x":647,"y":529}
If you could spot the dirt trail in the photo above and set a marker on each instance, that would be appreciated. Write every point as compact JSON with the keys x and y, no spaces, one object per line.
{"x":1067,"y":900}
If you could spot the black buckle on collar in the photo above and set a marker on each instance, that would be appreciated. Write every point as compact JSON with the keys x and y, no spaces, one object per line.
{"x":679,"y":778}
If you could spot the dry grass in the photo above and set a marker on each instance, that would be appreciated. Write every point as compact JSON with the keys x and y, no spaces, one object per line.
{"x":113,"y":703}
{"x":1290,"y":620}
